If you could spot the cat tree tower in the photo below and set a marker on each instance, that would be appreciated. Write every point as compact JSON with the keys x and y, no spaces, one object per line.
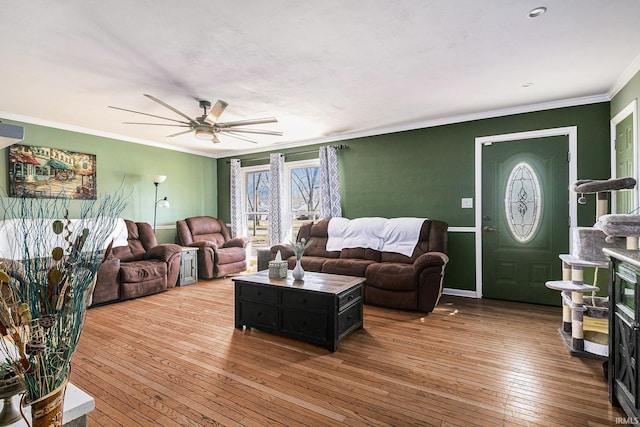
{"x":610,"y":230}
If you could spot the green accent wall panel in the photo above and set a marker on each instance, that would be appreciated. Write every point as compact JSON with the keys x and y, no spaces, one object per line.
{"x":460,"y":272}
{"x":191,"y":185}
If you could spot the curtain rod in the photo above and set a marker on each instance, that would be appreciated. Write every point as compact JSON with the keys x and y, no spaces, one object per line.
{"x":295,"y":153}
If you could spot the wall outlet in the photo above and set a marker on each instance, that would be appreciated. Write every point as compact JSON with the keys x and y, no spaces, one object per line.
{"x":467,"y":203}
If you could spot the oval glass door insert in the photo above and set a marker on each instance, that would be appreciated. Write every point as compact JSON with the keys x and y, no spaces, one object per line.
{"x":523,"y":202}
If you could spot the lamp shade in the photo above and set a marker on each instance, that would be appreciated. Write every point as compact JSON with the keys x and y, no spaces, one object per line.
{"x":158,"y":179}
{"x":164,"y":203}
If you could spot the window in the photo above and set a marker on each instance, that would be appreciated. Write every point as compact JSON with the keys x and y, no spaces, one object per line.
{"x":303,"y":192}
{"x":256,"y":190}
{"x":523,"y":202}
{"x":302,"y":195}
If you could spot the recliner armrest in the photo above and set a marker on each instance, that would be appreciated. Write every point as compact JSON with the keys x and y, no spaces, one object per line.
{"x":430,"y":259}
{"x":236,"y":242}
{"x":163,"y":252}
{"x":286,"y":251}
{"x":201,"y":244}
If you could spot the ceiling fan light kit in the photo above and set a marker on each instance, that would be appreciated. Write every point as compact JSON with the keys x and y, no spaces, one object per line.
{"x":206,"y":127}
{"x":204,"y":134}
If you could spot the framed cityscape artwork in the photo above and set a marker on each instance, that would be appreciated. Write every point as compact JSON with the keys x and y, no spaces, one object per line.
{"x":44,"y":172}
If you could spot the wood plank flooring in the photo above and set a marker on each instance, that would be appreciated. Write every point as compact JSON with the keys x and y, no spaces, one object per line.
{"x":175,"y":359}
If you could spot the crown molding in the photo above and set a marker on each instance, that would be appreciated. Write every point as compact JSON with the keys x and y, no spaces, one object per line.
{"x":625,"y":77}
{"x":95,"y":132}
{"x":572,"y":102}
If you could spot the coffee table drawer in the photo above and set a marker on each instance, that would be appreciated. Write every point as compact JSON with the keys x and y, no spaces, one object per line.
{"x":313,"y":326}
{"x":349,"y":296}
{"x":257,"y":315}
{"x":257,"y":293}
{"x":306,"y":301}
{"x":349,"y":319}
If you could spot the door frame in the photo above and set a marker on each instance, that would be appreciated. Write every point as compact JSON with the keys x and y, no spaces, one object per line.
{"x":630,"y":110}
{"x":571,"y":132}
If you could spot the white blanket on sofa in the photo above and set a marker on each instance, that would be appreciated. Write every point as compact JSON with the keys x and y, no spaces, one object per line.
{"x":14,"y":242}
{"x":383,"y":234}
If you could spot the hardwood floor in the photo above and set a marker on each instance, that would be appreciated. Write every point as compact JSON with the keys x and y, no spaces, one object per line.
{"x":175,"y":359}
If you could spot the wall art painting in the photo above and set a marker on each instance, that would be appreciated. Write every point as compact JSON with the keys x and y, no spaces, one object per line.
{"x":44,"y":172}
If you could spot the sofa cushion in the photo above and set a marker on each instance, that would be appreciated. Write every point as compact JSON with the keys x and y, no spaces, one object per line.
{"x":360,"y":253}
{"x":206,"y":228}
{"x":231,"y":255}
{"x":140,"y":271}
{"x":423,"y":245}
{"x":231,"y":268}
{"x":132,"y":252}
{"x":309,"y":263}
{"x":347,"y":267}
{"x":392,"y":276}
{"x":140,"y":289}
{"x":318,"y":237}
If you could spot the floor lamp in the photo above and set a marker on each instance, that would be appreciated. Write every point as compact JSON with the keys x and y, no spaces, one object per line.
{"x":162,"y":203}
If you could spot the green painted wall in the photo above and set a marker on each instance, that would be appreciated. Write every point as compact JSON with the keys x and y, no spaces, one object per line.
{"x":627,"y":94}
{"x":426,"y":172}
{"x":190,"y":186}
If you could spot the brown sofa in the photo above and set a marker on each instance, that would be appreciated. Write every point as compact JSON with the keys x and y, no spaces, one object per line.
{"x":219,"y":255}
{"x":392,"y":279}
{"x":143,"y":267}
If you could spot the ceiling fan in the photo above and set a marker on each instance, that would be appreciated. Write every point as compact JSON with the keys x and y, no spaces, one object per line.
{"x":206,"y":126}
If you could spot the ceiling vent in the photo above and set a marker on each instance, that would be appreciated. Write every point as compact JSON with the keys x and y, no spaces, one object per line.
{"x":10,"y":134}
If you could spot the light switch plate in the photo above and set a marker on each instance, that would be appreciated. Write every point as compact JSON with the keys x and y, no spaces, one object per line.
{"x":467,"y":203}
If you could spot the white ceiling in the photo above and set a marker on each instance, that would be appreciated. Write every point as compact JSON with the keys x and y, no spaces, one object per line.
{"x":326,"y":70}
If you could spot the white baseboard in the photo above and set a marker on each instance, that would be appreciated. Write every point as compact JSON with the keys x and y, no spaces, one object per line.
{"x":459,"y":293}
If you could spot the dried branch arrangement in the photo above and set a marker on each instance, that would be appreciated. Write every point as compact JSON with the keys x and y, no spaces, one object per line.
{"x":48,"y":274}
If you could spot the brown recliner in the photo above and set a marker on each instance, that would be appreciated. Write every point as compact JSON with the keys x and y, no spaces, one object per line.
{"x":143,"y":267}
{"x":218,"y":254}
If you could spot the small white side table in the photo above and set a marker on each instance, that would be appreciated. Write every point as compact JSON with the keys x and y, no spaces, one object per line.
{"x":188,"y":266}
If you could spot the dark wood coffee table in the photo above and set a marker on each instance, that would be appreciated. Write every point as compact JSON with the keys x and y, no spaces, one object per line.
{"x":321,"y":309}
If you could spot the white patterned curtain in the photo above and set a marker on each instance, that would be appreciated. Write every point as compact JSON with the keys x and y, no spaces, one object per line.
{"x":238,"y":217}
{"x":329,"y":182}
{"x":278,"y":218}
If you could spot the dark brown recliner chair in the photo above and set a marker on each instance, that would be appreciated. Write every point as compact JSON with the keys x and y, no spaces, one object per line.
{"x":218,"y":254}
{"x":143,"y":267}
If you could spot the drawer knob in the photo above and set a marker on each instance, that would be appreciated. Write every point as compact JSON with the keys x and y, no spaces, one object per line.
{"x":259,"y":314}
{"x":259,"y":293}
{"x":350,"y":297}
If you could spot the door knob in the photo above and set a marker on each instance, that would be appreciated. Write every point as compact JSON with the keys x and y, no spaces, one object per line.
{"x":487,"y":228}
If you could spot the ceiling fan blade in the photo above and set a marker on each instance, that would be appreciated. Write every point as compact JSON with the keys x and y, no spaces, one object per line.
{"x":164,"y":104}
{"x":216,"y":110}
{"x":186,"y":125}
{"x":215,"y":139}
{"x":258,"y":131}
{"x":247,"y":122}
{"x":146,"y":114}
{"x":180,"y":133}
{"x":229,"y":133}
